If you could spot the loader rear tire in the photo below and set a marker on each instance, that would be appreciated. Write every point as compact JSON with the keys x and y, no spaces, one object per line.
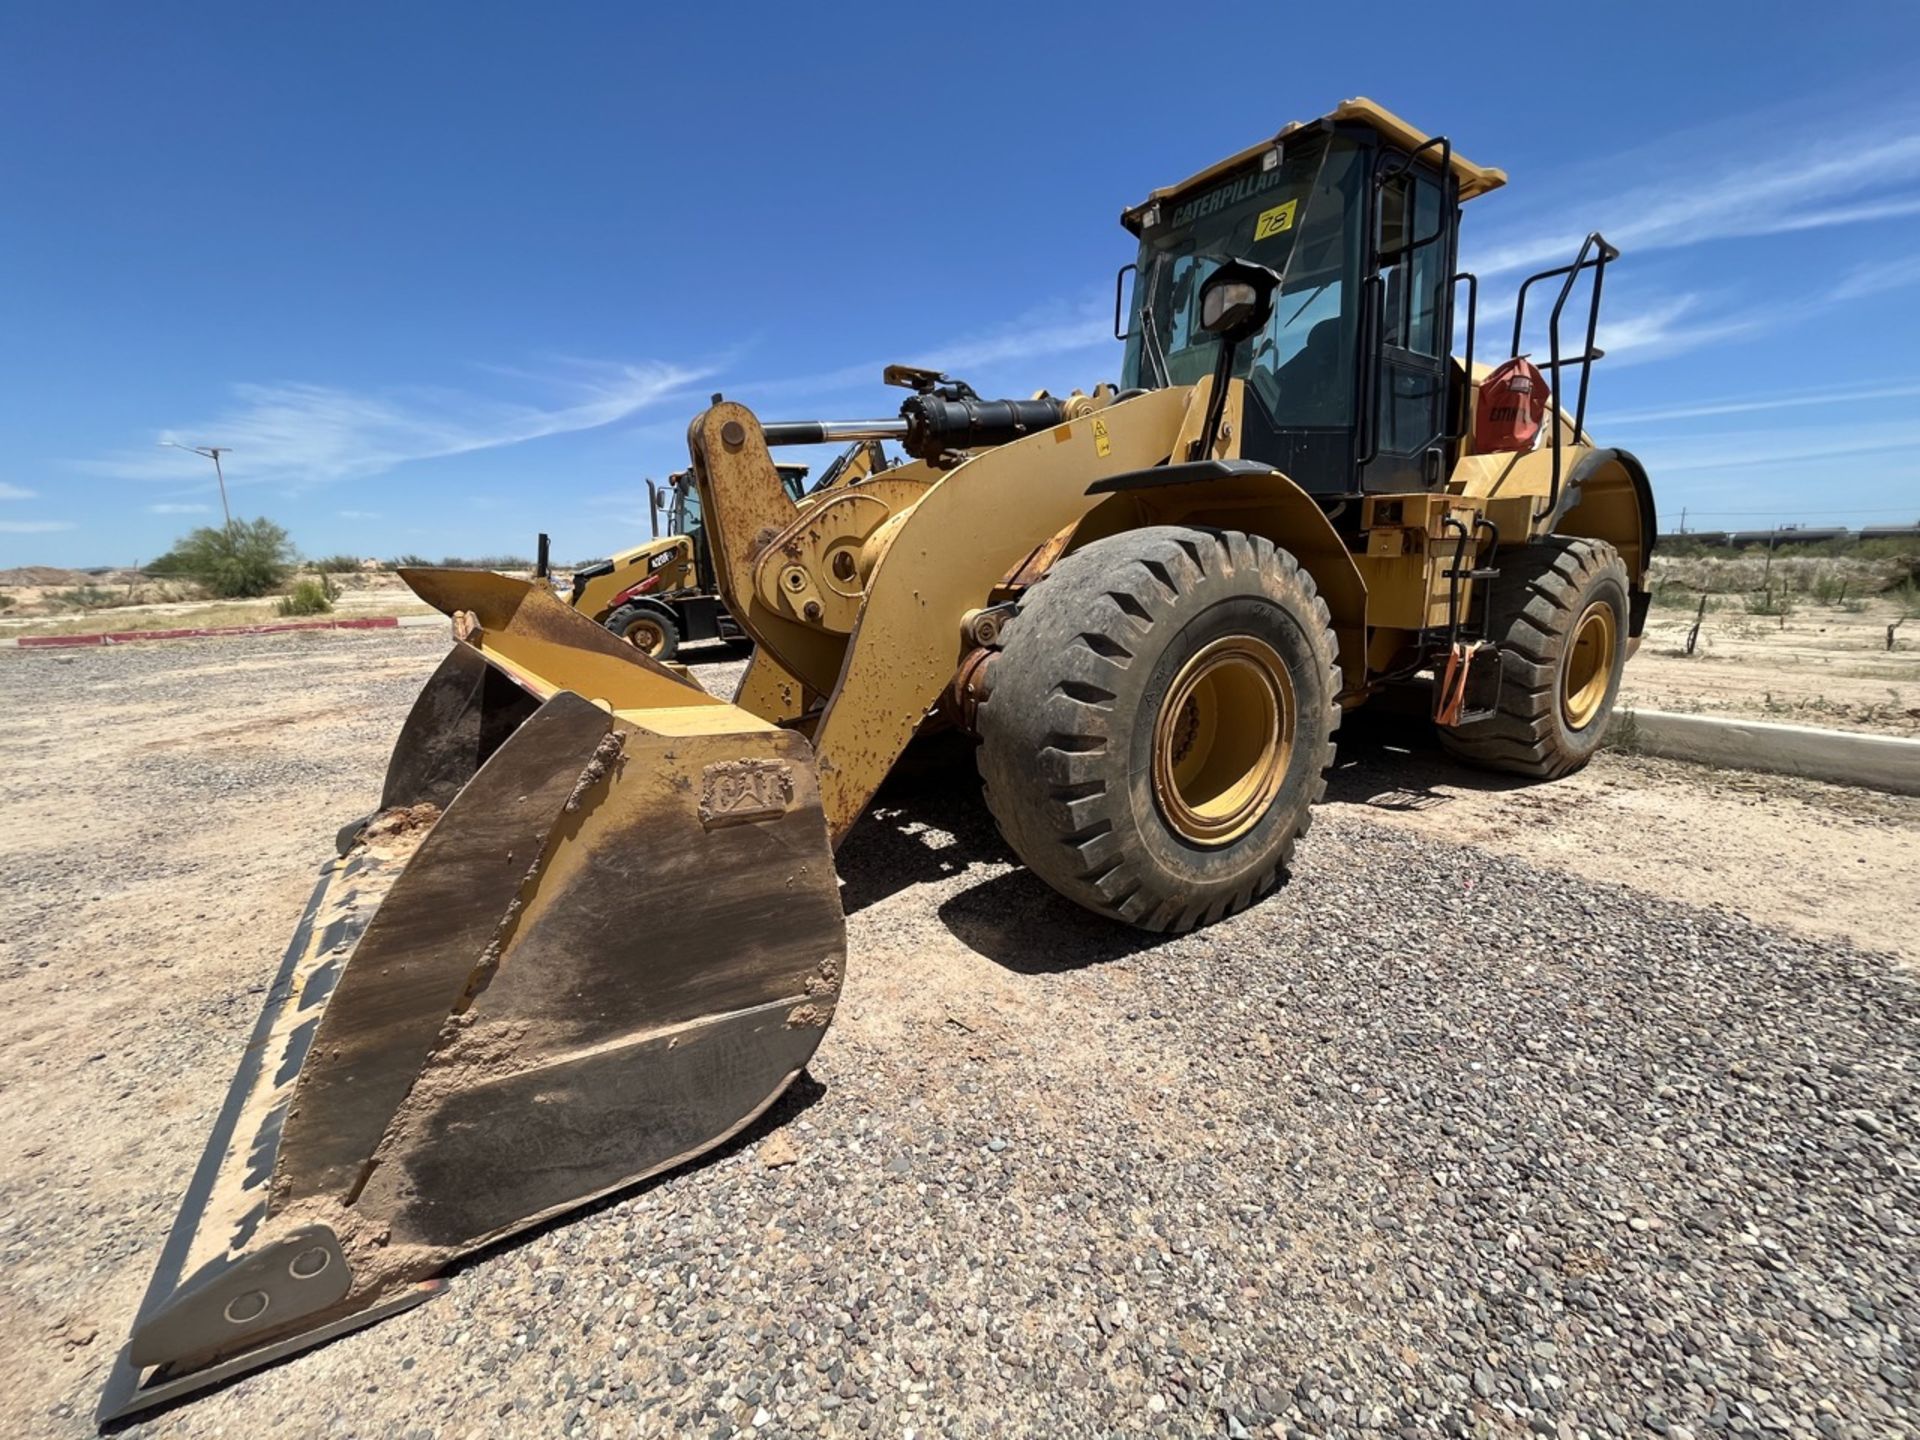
{"x":650,"y":630}
{"x":1559,"y":615}
{"x":1158,"y":721}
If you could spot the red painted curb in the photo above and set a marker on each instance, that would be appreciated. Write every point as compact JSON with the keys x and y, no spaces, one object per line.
{"x":127,"y":637}
{"x":47,"y":641}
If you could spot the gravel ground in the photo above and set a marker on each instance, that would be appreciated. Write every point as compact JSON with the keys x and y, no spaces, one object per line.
{"x":1436,"y":1140}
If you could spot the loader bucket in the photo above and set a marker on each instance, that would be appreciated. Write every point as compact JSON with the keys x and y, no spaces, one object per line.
{"x":593,"y":932}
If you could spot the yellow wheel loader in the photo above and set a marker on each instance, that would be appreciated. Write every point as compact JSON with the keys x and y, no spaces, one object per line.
{"x":1151,"y":605}
{"x":660,"y":595}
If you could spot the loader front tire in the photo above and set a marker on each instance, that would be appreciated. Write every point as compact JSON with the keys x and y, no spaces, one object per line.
{"x":647,"y":628}
{"x":1158,"y":721}
{"x":1558,"y":612}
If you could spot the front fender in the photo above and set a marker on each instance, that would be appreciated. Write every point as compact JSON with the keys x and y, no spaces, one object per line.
{"x":1253,"y":497}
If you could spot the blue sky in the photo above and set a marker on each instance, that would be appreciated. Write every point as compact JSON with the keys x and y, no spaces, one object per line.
{"x":443,"y":276}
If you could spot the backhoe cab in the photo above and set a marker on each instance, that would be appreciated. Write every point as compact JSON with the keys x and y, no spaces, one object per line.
{"x":660,"y":595}
{"x":593,"y":929}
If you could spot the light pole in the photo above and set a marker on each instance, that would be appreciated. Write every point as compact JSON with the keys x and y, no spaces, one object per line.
{"x":213,"y":453}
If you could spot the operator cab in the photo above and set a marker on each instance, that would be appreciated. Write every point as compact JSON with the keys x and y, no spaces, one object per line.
{"x":1349,"y":385}
{"x":683,"y":500}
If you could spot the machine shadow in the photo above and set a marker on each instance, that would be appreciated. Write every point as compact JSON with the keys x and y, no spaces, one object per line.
{"x":801,"y":1096}
{"x":1023,"y":925}
{"x":1388,"y":757}
{"x":928,"y":824}
{"x":714,"y":652}
{"x":933,"y":792}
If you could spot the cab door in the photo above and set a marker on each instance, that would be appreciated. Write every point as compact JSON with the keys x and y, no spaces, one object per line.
{"x":1404,"y":427}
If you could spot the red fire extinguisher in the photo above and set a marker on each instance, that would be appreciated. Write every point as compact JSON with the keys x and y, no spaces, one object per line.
{"x":1513,"y":399}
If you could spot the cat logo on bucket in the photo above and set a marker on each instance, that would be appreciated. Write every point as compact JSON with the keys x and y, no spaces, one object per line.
{"x":734,"y":791}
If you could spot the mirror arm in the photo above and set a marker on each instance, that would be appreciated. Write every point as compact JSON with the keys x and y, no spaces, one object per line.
{"x":1216,"y":402}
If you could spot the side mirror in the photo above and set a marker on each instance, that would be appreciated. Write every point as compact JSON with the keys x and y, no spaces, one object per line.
{"x":1237,"y":299}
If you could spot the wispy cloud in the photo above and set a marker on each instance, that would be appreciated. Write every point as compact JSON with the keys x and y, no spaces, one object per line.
{"x":1658,"y":327}
{"x":176,"y":507}
{"x":1059,"y":327}
{"x":1669,"y":327}
{"x":14,"y":492}
{"x":296,"y":434}
{"x":33,"y":527}
{"x":358,"y":514}
{"x":1877,"y":277}
{"x":622,"y":513}
{"x":1748,"y":450}
{"x":1823,"y":396}
{"x":1760,"y":190}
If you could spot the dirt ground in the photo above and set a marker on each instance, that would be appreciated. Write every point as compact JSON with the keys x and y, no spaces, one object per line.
{"x":1821,"y":859}
{"x":1821,"y":663}
{"x":1817,"y":665}
{"x":142,"y":604}
{"x":163,"y":808}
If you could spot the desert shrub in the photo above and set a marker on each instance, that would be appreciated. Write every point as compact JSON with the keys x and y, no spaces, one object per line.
{"x":7,"y":602}
{"x":1891,"y":547}
{"x":1675,"y":594}
{"x":86,"y":597}
{"x":487,"y":562}
{"x":240,"y":561}
{"x":1903,"y":572}
{"x":1770,"y":602}
{"x":1828,"y":588}
{"x":409,"y":561}
{"x":335,"y":564}
{"x":1843,"y":545}
{"x":308,"y":597}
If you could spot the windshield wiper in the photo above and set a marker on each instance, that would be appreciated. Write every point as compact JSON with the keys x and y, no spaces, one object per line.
{"x":1149,"y":340}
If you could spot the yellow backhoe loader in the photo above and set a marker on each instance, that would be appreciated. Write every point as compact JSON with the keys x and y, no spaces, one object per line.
{"x":1150,"y":604}
{"x":660,"y":595}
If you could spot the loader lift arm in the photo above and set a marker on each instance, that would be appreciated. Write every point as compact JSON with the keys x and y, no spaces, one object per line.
{"x":923,"y":572}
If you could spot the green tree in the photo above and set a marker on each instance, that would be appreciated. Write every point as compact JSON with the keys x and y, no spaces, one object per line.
{"x":239,"y":561}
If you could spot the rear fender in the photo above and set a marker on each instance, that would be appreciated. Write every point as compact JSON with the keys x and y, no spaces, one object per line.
{"x":1608,"y":497}
{"x":1605,"y":495}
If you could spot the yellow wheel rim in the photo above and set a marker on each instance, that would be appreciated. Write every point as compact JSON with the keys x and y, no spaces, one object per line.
{"x":1587,"y":672}
{"x":1223,"y":739}
{"x":646,"y":635}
